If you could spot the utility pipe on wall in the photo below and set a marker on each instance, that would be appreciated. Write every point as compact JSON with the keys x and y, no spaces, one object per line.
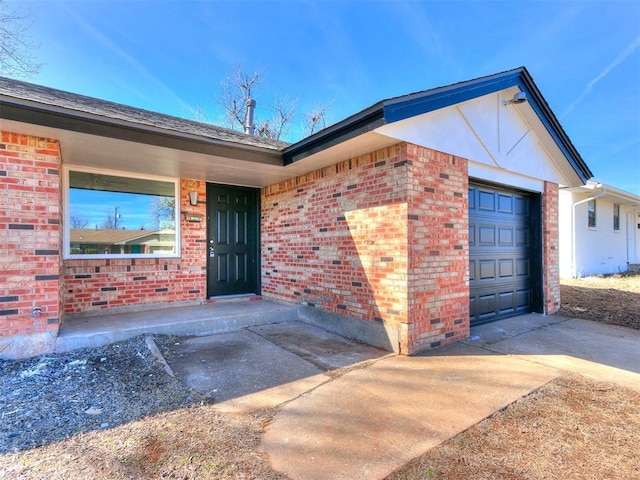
{"x":574,"y":272}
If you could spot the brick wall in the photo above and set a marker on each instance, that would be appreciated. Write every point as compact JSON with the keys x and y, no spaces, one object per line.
{"x":438,"y":249}
{"x":133,"y":284}
{"x":381,"y":237}
{"x":30,"y":239}
{"x":550,"y":251}
{"x":335,"y":239}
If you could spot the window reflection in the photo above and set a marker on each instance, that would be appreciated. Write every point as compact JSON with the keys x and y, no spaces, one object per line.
{"x":113,"y":215}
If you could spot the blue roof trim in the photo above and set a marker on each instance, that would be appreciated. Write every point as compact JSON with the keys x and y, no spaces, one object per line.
{"x":356,"y":125}
{"x":407,"y":106}
{"x":551,"y":123}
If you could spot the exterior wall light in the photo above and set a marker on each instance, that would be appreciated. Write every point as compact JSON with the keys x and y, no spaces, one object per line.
{"x":519,"y":97}
{"x":193,"y":198}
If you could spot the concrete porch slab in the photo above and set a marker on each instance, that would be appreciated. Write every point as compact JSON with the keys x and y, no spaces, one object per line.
{"x":325,"y":350}
{"x":264,"y":366}
{"x":96,"y":331}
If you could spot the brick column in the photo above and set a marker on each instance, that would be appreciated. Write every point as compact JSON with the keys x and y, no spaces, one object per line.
{"x":550,"y":239}
{"x":30,"y":244}
{"x":438,"y":229}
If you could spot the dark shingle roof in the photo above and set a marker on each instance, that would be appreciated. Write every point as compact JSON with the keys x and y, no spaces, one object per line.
{"x":110,"y":111}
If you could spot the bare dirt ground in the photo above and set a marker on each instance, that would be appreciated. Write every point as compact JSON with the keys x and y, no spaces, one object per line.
{"x":571,"y":428}
{"x":613,"y":299}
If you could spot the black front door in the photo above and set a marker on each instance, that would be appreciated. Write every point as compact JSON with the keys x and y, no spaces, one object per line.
{"x":232,"y":240}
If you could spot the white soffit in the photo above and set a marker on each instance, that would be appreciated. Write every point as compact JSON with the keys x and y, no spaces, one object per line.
{"x":362,"y":144}
{"x":85,"y":150}
{"x":484,"y":130}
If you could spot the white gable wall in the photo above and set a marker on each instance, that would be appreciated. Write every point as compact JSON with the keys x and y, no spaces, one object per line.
{"x":505,"y":144}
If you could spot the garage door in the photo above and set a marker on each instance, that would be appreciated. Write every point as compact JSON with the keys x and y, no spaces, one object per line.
{"x":501,"y":277}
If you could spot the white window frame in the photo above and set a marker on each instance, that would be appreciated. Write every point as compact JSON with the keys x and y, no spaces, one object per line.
{"x":618,"y":216}
{"x":66,"y":233}
{"x":593,"y":202}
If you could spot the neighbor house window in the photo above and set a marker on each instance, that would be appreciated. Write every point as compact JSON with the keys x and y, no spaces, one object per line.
{"x":616,"y":217}
{"x":111,"y":215}
{"x":591,"y":213}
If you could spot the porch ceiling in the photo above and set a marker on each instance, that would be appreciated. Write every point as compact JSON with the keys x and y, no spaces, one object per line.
{"x":255,"y":168}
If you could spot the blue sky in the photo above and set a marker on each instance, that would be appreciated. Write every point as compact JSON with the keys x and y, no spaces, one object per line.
{"x":92,"y":208}
{"x":171,"y":56}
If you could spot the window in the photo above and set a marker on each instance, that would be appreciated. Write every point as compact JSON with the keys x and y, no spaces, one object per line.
{"x":616,"y":217}
{"x":591,"y":213}
{"x":109,"y":215}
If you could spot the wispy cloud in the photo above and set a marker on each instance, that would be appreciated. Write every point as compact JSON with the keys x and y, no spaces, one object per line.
{"x":110,"y":45}
{"x":420,"y":24}
{"x":622,"y":56}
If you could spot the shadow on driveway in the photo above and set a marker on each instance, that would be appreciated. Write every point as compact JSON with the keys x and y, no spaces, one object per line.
{"x":263,"y":366}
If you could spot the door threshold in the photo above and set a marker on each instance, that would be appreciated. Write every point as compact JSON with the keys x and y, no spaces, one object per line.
{"x":234,"y":298}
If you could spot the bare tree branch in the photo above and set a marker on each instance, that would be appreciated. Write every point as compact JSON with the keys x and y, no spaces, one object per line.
{"x":16,"y":47}
{"x":163,"y":210}
{"x":237,"y":89}
{"x":278,"y":125}
{"x":316,"y":119}
{"x":273,"y":121}
{"x":77,"y":220}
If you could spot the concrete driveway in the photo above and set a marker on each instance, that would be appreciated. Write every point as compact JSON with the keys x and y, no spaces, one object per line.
{"x":350,"y":411}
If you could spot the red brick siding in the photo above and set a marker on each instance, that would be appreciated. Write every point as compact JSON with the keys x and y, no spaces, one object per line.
{"x":381,"y":237}
{"x":438,"y":249}
{"x":30,"y":239}
{"x":335,"y":238}
{"x":551,"y":259}
{"x":96,"y":285}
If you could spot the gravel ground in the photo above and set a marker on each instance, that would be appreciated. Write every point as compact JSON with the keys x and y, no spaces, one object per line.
{"x":52,"y":397}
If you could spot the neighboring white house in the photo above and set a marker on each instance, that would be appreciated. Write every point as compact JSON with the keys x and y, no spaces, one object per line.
{"x":599,"y":230}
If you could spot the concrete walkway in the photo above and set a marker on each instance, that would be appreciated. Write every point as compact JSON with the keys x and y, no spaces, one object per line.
{"x":365,"y":415}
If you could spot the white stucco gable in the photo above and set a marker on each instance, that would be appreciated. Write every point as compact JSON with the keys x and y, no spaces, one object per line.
{"x":521,"y":144}
{"x":505,"y":143}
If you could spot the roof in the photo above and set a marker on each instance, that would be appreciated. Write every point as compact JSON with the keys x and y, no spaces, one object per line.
{"x":406,"y":106}
{"x":110,"y":236}
{"x":34,"y":104}
{"x":44,"y":99}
